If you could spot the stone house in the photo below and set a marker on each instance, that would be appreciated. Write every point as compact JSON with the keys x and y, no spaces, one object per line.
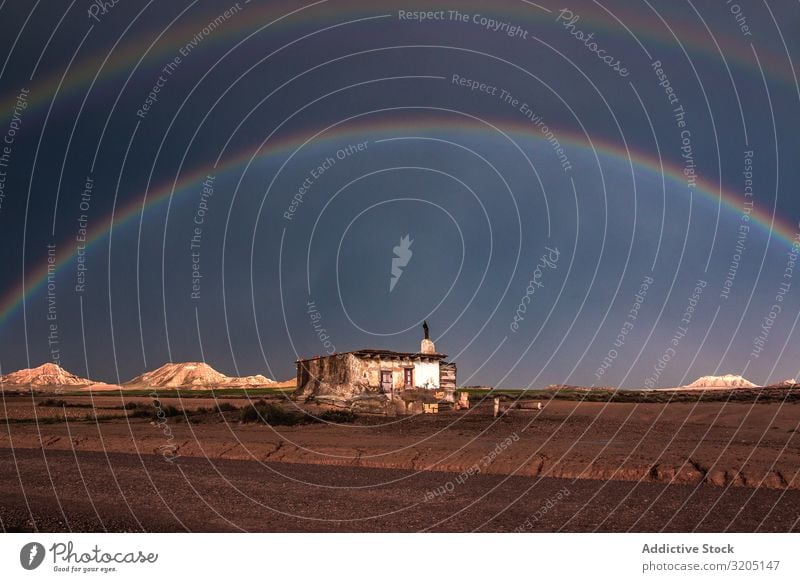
{"x":380,"y":381}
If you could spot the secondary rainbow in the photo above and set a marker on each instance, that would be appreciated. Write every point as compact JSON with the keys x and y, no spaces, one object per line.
{"x":369,"y":130}
{"x":280,"y":16}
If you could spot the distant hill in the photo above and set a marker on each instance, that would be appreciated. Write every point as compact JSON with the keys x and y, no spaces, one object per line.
{"x":195,"y":375}
{"x":292,"y":383}
{"x":189,"y":375}
{"x":725,"y":381}
{"x":562,"y":387}
{"x":43,"y":377}
{"x":790,"y":383}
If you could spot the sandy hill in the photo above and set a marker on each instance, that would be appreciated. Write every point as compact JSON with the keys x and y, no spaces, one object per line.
{"x":725,"y":381}
{"x":291,"y":383}
{"x":194,"y":375}
{"x":790,"y":383}
{"x":45,"y":376}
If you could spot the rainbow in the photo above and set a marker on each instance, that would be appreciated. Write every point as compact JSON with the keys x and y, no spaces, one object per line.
{"x":773,"y":226}
{"x":646,"y":26}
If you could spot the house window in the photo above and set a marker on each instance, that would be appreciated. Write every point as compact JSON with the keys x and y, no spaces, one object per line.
{"x":408,"y":377}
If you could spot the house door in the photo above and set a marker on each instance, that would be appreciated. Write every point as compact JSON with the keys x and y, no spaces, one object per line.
{"x":386,"y":381}
{"x":408,"y":377}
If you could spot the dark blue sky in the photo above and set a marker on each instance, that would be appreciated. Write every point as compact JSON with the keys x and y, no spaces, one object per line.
{"x":553,"y":173}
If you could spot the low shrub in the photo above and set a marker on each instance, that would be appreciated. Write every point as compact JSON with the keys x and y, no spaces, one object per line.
{"x":167,"y":411}
{"x":226,"y":407}
{"x":149,"y":410}
{"x":337,"y":416}
{"x":140,"y":413}
{"x":261,"y":411}
{"x":53,"y":402}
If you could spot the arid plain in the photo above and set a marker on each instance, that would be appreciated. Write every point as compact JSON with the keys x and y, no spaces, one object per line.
{"x":89,"y":462}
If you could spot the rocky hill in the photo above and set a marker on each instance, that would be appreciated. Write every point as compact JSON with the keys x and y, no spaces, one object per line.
{"x":198,"y":375}
{"x":790,"y":383}
{"x":726,"y":381}
{"x":43,"y":377}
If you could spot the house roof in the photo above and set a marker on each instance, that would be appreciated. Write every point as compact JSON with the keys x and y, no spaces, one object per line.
{"x":372,"y":353}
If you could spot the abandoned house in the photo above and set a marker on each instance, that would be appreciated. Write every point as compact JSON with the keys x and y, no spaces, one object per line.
{"x":380,"y":381}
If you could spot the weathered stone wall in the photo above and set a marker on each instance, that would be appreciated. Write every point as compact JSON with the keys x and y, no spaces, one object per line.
{"x":347,"y":377}
{"x":447,"y":375}
{"x":329,"y":376}
{"x":424,"y":372}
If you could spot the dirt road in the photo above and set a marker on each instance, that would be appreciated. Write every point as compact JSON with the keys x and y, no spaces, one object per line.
{"x":87,"y":491}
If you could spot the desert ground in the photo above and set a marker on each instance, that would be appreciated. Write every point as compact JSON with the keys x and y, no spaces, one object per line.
{"x":94,"y":462}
